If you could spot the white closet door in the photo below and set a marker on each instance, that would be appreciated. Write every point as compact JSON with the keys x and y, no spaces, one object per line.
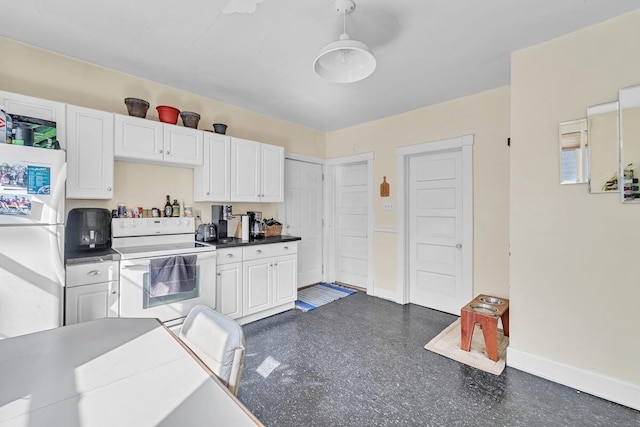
{"x":435,"y":233}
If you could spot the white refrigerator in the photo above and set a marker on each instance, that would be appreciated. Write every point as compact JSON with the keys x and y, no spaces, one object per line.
{"x":32,"y":182}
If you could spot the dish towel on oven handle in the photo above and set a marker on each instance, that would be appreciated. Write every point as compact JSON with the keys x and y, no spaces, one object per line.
{"x":172,"y":275}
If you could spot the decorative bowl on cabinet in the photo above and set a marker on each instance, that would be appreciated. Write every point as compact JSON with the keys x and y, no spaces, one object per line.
{"x":137,"y":107}
{"x":190,"y":119}
{"x":168,"y":114}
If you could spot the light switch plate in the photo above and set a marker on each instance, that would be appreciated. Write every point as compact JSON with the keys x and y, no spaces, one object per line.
{"x":388,"y":206}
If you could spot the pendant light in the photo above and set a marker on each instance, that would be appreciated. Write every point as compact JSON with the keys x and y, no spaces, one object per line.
{"x":345,"y":60}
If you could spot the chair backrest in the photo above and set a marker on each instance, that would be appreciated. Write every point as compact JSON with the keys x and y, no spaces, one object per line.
{"x":218,"y":341}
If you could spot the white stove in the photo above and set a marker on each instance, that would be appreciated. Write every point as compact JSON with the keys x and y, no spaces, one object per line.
{"x":164,"y":272}
{"x":143,"y":237}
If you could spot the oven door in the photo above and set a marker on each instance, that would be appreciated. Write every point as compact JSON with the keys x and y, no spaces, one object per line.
{"x":146,"y":293}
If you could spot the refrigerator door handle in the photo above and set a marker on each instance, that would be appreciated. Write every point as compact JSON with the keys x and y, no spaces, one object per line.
{"x":58,"y":194}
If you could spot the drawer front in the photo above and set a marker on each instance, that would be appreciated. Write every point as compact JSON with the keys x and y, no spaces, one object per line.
{"x":269,"y":250}
{"x":95,"y":272}
{"x":229,"y":255}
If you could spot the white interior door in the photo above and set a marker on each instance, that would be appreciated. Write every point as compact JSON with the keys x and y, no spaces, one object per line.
{"x":351,"y":254}
{"x":303,"y":213}
{"x":436,"y":231}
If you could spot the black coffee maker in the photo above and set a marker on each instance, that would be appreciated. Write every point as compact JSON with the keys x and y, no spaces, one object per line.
{"x":255,"y":225}
{"x":88,"y":229}
{"x":218,"y":218}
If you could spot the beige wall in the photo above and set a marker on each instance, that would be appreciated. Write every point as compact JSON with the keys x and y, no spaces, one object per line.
{"x":574,"y":255}
{"x":486,"y":115}
{"x":44,"y":74}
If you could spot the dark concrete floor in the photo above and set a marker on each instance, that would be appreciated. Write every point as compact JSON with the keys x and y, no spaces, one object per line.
{"x":360,"y":361}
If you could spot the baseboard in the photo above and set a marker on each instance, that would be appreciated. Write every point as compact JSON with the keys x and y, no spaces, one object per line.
{"x":385,"y":294}
{"x":599,"y":385}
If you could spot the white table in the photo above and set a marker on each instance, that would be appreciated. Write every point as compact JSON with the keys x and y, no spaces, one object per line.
{"x":110,"y":372}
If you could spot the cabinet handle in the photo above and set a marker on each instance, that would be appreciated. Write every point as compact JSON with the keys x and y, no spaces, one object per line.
{"x":286,"y":248}
{"x":93,"y":273}
{"x":108,"y":188}
{"x":258,"y":251}
{"x":218,"y":274}
{"x":113,"y":292}
{"x":229,"y":255}
{"x":160,"y":151}
{"x":168,"y":153}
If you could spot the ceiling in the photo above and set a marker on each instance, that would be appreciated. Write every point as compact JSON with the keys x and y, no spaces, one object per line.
{"x":258,"y":54}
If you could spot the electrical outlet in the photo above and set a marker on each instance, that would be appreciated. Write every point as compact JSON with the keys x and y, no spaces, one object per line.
{"x":197,"y":213}
{"x":388,"y":206}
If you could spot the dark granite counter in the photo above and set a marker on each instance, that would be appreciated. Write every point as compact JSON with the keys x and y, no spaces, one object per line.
{"x":84,"y":257}
{"x":231,"y":242}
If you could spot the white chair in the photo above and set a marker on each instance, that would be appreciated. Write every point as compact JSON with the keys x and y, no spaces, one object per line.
{"x":218,"y":341}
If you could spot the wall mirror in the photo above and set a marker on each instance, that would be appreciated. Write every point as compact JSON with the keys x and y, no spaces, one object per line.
{"x":629,"y":99}
{"x":574,"y":152}
{"x":602,"y":133}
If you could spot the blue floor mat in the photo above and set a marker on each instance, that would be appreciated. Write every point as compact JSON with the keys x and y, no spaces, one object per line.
{"x":318,"y":295}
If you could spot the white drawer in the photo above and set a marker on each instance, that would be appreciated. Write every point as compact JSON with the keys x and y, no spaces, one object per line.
{"x":229,"y":255}
{"x":94,"y":272}
{"x":269,"y":250}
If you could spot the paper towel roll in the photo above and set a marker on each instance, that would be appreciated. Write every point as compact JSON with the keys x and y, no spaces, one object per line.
{"x":245,"y":228}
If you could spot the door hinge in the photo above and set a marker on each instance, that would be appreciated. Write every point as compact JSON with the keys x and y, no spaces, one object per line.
{"x":323,"y":177}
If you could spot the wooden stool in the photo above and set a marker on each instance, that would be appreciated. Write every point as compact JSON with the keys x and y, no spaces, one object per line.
{"x":485,"y":310}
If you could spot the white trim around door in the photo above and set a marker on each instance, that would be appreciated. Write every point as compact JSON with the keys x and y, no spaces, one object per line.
{"x":329,"y":205}
{"x":403,"y":154}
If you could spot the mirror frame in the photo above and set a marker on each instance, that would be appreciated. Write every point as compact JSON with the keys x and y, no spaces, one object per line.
{"x":628,"y":97}
{"x":596,"y":110}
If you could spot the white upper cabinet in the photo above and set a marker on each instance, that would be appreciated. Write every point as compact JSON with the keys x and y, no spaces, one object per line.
{"x":183,"y":145}
{"x":211,"y":181}
{"x":23,"y":105}
{"x":257,"y":172}
{"x":272,"y":173}
{"x":151,"y":141}
{"x":89,"y":153}
{"x":245,"y":172}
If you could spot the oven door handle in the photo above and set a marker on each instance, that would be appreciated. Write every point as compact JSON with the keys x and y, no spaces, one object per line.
{"x":146,"y":261}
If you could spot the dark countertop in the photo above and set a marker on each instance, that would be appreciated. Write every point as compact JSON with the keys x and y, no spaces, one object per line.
{"x":85,"y":257}
{"x":231,"y":242}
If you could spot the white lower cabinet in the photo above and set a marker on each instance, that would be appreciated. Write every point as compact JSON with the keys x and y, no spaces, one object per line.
{"x":285,"y":273}
{"x":90,"y":302}
{"x":91,"y":291}
{"x":229,"y":288}
{"x":257,"y":286}
{"x":262,"y":284}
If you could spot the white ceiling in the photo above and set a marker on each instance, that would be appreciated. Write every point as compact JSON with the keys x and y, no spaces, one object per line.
{"x":428,"y":51}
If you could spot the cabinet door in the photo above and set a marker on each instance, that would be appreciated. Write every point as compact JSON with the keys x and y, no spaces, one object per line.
{"x":40,"y":108}
{"x":245,"y":170}
{"x":257,"y":288}
{"x":211,"y":181}
{"x":285,"y":279}
{"x":182,"y":145}
{"x":89,"y":302}
{"x":89,"y":153}
{"x":272,"y":173}
{"x":138,"y":139}
{"x":229,"y":289}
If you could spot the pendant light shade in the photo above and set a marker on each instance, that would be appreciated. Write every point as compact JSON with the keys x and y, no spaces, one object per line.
{"x":345,"y":60}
